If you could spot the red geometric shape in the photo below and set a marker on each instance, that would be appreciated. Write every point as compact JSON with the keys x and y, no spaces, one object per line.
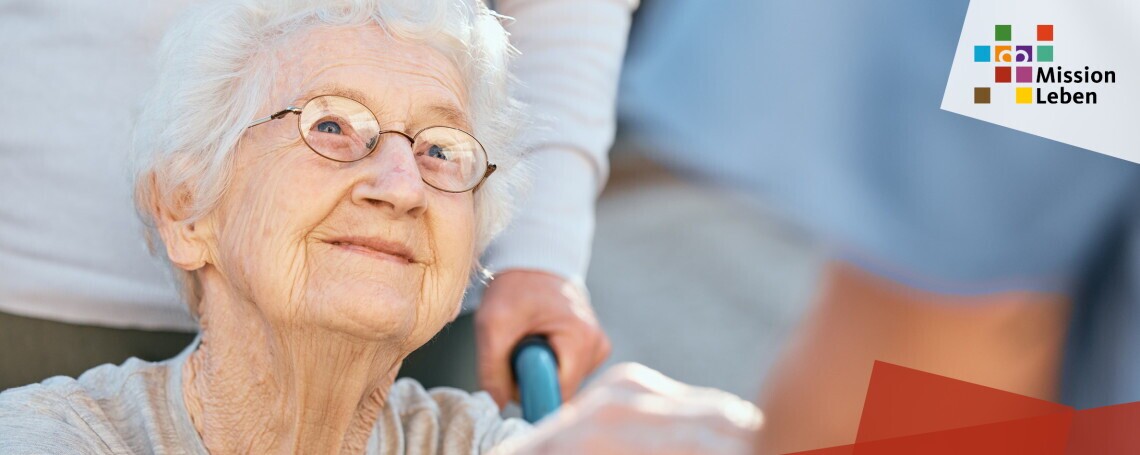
{"x":1043,"y":435}
{"x":1106,"y":430}
{"x":1045,"y":32}
{"x":911,"y":412}
{"x":903,"y":402}
{"x":1003,"y":74}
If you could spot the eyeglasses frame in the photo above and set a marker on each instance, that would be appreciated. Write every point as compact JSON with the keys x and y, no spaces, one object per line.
{"x":491,"y":167}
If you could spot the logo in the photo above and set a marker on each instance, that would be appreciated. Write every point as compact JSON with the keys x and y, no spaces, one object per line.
{"x":1028,"y":68}
{"x":1058,"y":69}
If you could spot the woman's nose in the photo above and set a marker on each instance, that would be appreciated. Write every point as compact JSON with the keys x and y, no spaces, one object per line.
{"x":391,"y":179}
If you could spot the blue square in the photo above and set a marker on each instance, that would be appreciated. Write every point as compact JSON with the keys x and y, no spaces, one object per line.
{"x":982,"y":54}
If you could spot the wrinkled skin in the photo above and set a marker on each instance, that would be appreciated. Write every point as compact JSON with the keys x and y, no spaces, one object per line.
{"x":303,"y":331}
{"x":303,"y":327}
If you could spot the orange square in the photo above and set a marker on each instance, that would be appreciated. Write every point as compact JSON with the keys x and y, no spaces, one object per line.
{"x":1003,"y":53}
{"x":1045,"y":32}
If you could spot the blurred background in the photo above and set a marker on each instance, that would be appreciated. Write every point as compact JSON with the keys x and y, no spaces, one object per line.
{"x":789,"y":204}
{"x":676,"y":281}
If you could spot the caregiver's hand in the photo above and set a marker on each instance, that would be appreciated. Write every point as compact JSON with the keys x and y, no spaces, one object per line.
{"x":634,"y":409}
{"x":523,"y":302}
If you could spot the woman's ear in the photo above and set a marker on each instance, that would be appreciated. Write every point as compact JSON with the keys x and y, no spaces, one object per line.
{"x":185,"y":240}
{"x":184,"y":244}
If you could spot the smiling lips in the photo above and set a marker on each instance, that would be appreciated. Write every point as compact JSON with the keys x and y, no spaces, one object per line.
{"x":375,"y":247}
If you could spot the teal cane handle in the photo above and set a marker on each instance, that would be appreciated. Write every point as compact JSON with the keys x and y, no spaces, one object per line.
{"x":536,"y":373}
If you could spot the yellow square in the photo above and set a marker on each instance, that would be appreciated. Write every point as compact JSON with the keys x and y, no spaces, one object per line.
{"x":1025,"y":95}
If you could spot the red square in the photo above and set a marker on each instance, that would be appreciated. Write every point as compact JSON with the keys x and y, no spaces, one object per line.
{"x":1002,"y":74}
{"x":1045,"y":32}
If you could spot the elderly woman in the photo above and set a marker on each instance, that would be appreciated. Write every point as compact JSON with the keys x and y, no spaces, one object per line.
{"x":323,"y":176}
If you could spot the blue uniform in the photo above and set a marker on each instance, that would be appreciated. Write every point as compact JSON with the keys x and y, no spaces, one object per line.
{"x":829,"y":112}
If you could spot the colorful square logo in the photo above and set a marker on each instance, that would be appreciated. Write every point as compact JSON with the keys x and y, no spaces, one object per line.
{"x":981,"y":95}
{"x":1024,"y":74}
{"x":1014,"y":62}
{"x":1002,"y":74}
{"x":1003,"y":32}
{"x":1024,"y":95}
{"x":982,"y":54}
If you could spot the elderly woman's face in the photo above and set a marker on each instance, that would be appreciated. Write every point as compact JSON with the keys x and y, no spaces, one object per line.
{"x":365,"y":247}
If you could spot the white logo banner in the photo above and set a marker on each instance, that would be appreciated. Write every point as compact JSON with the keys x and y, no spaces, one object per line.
{"x":1067,"y":70}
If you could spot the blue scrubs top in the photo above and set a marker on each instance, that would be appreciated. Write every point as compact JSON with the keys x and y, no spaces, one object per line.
{"x":829,"y":112}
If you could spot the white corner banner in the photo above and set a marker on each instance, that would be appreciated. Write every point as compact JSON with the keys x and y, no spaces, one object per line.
{"x":1067,"y":70}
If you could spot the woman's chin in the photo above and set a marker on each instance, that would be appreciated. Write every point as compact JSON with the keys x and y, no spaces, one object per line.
{"x":385,"y":315}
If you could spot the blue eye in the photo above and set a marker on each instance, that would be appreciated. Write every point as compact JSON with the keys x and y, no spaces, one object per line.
{"x":329,"y":127}
{"x":437,"y":152}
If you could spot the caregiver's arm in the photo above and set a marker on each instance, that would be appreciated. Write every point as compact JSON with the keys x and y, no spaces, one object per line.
{"x":571,"y":58}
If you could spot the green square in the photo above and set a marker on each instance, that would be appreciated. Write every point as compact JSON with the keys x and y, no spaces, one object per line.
{"x":1044,"y":53}
{"x":1003,"y":32}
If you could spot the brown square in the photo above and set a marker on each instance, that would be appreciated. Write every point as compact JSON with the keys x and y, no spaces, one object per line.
{"x":981,"y":95}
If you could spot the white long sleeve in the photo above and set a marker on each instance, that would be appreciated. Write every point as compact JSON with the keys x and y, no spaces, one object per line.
{"x":571,"y":55}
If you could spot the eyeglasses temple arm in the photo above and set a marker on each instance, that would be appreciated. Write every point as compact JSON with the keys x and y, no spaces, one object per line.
{"x":275,"y":116}
{"x":490,"y":170}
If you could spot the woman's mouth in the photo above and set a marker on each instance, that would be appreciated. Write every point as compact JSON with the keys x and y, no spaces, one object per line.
{"x":376,"y":248}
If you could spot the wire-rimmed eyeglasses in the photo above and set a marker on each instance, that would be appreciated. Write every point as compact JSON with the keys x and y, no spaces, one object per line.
{"x":344,"y":130}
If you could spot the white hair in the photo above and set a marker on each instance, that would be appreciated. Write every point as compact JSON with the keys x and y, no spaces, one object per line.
{"x":216,"y":67}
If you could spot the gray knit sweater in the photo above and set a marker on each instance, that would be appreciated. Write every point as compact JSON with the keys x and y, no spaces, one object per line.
{"x":137,"y":408}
